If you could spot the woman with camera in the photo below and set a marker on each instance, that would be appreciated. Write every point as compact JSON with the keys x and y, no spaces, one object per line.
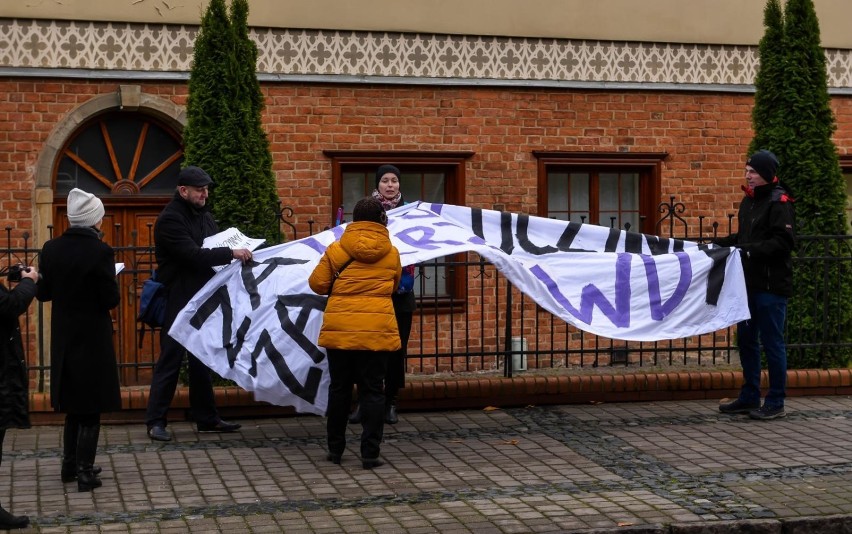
{"x":78,"y":276}
{"x":14,"y":381}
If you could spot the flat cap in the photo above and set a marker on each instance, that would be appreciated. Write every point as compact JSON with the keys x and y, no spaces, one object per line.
{"x":194,"y":176}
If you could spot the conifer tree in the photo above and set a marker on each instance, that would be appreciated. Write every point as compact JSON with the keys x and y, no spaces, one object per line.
{"x":768,"y":122}
{"x":207,"y":106}
{"x":809,"y":160}
{"x":793,"y":118}
{"x":224,"y":134}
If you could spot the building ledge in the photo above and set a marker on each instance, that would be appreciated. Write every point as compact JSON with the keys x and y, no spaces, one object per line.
{"x":476,"y":392}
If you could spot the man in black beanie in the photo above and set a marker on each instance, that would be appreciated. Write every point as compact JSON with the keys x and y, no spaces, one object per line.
{"x":765,"y":237}
{"x":764,"y":163}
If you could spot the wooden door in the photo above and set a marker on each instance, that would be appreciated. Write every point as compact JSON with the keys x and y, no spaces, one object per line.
{"x":130,"y":160}
{"x":137,"y":347}
{"x":129,"y":229}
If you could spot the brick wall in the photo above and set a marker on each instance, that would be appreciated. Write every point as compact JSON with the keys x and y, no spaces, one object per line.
{"x":705,"y":136}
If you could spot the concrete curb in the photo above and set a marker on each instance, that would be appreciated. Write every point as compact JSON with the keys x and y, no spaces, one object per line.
{"x":833,"y":524}
{"x":427,"y":393}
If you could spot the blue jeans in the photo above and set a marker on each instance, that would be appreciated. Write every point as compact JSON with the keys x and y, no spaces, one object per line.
{"x":766,"y":327}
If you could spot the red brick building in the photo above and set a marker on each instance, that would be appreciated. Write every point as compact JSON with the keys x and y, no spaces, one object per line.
{"x":562,"y":109}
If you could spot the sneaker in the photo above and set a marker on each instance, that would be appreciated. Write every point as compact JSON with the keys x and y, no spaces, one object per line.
{"x":371,"y":463}
{"x":159,"y":433}
{"x":739,"y":406}
{"x":765,"y":413}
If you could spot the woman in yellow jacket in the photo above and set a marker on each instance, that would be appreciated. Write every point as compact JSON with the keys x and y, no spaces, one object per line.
{"x":359,"y":330}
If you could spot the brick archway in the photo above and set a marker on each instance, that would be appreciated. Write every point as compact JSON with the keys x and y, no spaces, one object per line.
{"x":127,"y":97}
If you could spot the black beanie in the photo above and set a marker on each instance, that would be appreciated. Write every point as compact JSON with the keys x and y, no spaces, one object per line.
{"x":383,"y":170}
{"x":765,"y":163}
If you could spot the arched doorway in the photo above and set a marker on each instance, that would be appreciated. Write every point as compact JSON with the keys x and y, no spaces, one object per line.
{"x":131,"y":161}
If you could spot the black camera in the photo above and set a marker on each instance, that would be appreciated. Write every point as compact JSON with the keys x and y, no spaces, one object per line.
{"x":14,"y":273}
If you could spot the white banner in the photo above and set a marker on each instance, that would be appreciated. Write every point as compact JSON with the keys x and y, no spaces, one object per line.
{"x":231,"y":238}
{"x":258,"y":324}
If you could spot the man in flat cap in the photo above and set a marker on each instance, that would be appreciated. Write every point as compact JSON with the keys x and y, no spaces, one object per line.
{"x":183,"y":266}
{"x":765,"y":237}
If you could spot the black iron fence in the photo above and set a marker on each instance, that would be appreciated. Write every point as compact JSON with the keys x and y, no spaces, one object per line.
{"x":471,"y":319}
{"x":493,"y":326}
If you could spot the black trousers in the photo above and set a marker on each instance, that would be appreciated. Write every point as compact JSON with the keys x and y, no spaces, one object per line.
{"x":164,"y":382}
{"x":367,"y":369}
{"x":71,"y":437}
{"x":395,"y":376}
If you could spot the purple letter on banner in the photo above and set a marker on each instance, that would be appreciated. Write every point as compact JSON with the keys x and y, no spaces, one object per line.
{"x":591,"y":295}
{"x":424,"y":240}
{"x":659,"y":311}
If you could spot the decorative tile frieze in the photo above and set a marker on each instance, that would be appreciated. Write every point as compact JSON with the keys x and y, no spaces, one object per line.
{"x":168,"y":48}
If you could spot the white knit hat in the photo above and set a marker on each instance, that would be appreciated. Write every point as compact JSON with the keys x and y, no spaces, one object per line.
{"x":84,"y":209}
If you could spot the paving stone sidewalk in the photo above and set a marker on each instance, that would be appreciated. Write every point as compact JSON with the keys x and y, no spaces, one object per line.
{"x":634,"y":467}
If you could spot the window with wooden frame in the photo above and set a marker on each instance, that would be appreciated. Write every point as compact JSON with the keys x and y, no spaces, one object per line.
{"x":426,"y":176}
{"x":616,"y":190}
{"x":121,"y":153}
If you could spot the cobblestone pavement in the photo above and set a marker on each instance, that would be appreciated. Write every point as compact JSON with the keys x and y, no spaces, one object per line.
{"x":655,"y":467}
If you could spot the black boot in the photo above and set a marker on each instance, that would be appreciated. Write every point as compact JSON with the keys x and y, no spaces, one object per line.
{"x":69,"y":453}
{"x":9,"y":521}
{"x":87,"y":448}
{"x":355,"y":416}
{"x":69,"y":470}
{"x":390,"y":411}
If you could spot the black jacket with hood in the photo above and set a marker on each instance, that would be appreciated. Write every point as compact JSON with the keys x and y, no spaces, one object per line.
{"x":766,"y":238}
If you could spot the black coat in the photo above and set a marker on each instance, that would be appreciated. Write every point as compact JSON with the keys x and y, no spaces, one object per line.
{"x":14,"y":382}
{"x":766,"y":238}
{"x":182,"y":265}
{"x":78,"y":276}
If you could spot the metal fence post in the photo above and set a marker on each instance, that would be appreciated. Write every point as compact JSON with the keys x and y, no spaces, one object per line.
{"x":507,"y":342}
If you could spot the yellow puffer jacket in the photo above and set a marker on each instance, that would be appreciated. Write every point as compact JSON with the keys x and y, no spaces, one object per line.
{"x":359,"y":313}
